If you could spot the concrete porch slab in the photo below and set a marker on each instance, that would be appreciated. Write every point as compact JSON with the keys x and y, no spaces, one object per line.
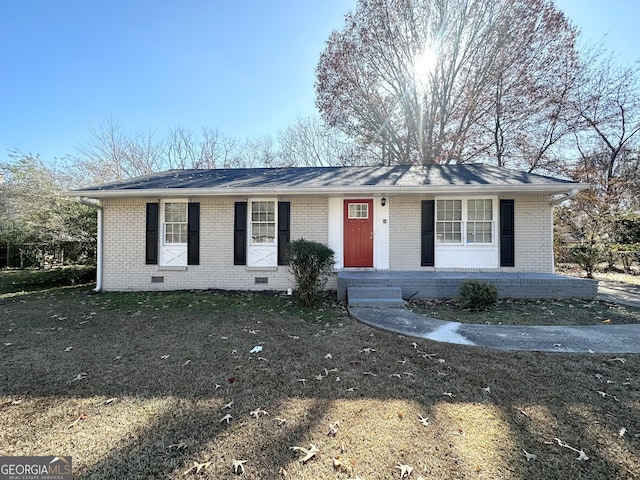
{"x":429,"y":285}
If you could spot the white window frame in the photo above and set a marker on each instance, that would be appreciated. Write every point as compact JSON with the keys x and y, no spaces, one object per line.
{"x":164,"y":223}
{"x":358,"y":210}
{"x":172,"y":254}
{"x":445,"y":221}
{"x":465,"y":222}
{"x":274,"y":221}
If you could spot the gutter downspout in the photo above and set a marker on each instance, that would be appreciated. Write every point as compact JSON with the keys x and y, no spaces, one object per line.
{"x":566,"y":196}
{"x":98,"y":208}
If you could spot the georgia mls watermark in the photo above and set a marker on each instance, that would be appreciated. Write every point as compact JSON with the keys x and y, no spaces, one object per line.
{"x":35,"y":468}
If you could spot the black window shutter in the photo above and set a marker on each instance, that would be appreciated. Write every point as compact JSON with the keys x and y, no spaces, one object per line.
{"x":507,"y":245}
{"x":427,"y":237}
{"x":240,"y":234}
{"x":193,"y":233}
{"x":284,"y":231}
{"x":151,"y":243}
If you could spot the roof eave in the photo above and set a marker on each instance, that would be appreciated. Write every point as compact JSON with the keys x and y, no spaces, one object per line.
{"x":552,"y":189}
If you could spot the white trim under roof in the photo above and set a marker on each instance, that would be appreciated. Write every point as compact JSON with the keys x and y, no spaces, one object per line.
{"x":552,"y":189}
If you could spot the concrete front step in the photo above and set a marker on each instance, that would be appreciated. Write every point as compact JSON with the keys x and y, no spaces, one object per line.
{"x":387,"y":297}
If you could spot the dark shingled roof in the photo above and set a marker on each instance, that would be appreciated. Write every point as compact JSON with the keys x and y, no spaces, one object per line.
{"x":330,"y":179}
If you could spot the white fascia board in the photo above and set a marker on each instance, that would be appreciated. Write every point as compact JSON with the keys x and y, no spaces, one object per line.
{"x":552,"y":189}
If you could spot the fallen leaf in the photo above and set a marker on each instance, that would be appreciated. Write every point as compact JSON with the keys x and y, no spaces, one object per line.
{"x":338,"y":465}
{"x":197,"y":467}
{"x":581,"y":455}
{"x":256,"y":413}
{"x":309,"y":453}
{"x":618,"y":359}
{"x":405,"y":470}
{"x":238,"y":466}
{"x":80,"y":376}
{"x":82,"y":416}
{"x":333,"y":428}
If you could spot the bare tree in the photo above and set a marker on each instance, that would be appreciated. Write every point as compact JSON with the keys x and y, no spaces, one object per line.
{"x":607,"y":104}
{"x":260,"y":152}
{"x":310,"y":142}
{"x":419,"y":78}
{"x":531,"y":112}
{"x":112,"y":154}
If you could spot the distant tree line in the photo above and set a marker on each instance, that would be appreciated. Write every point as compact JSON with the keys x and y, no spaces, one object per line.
{"x":504,"y":82}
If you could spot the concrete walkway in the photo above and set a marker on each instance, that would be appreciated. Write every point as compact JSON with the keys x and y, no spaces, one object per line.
{"x":620,"y":293}
{"x":613,"y":339}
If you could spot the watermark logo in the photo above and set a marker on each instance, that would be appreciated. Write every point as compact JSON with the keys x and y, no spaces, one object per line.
{"x":35,"y":468}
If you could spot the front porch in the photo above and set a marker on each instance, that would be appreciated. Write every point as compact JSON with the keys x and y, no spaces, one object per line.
{"x":428,"y":285}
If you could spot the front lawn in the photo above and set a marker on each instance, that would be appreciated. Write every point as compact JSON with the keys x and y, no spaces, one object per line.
{"x":179,"y":385}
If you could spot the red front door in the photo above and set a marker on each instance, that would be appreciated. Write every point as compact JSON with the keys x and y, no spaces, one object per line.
{"x":358,"y":233}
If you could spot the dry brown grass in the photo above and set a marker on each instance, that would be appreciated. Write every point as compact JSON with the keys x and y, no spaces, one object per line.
{"x":140,"y":414}
{"x":532,"y":312}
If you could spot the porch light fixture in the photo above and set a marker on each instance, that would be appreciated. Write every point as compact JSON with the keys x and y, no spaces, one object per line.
{"x":383,"y":201}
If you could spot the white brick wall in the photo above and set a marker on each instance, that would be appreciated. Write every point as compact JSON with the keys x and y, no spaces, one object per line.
{"x":404,"y":232}
{"x":124,"y":242}
{"x":124,"y":247}
{"x":533,"y":234}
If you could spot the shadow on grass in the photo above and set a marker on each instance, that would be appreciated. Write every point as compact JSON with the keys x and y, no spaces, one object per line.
{"x":172,"y":362}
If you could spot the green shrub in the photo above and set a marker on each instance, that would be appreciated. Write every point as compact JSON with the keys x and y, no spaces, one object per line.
{"x":477,"y":295}
{"x":311,"y":264}
{"x":587,"y":256}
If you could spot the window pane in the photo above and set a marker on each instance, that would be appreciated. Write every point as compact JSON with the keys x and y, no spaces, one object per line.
{"x":263,"y":226}
{"x":449,"y":210}
{"x":480,"y":209}
{"x":358,"y":210}
{"x":175,"y":212}
{"x":479,"y":232}
{"x":175,"y":222}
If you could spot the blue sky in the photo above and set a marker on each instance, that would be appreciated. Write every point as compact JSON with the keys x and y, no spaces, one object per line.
{"x":245,"y":67}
